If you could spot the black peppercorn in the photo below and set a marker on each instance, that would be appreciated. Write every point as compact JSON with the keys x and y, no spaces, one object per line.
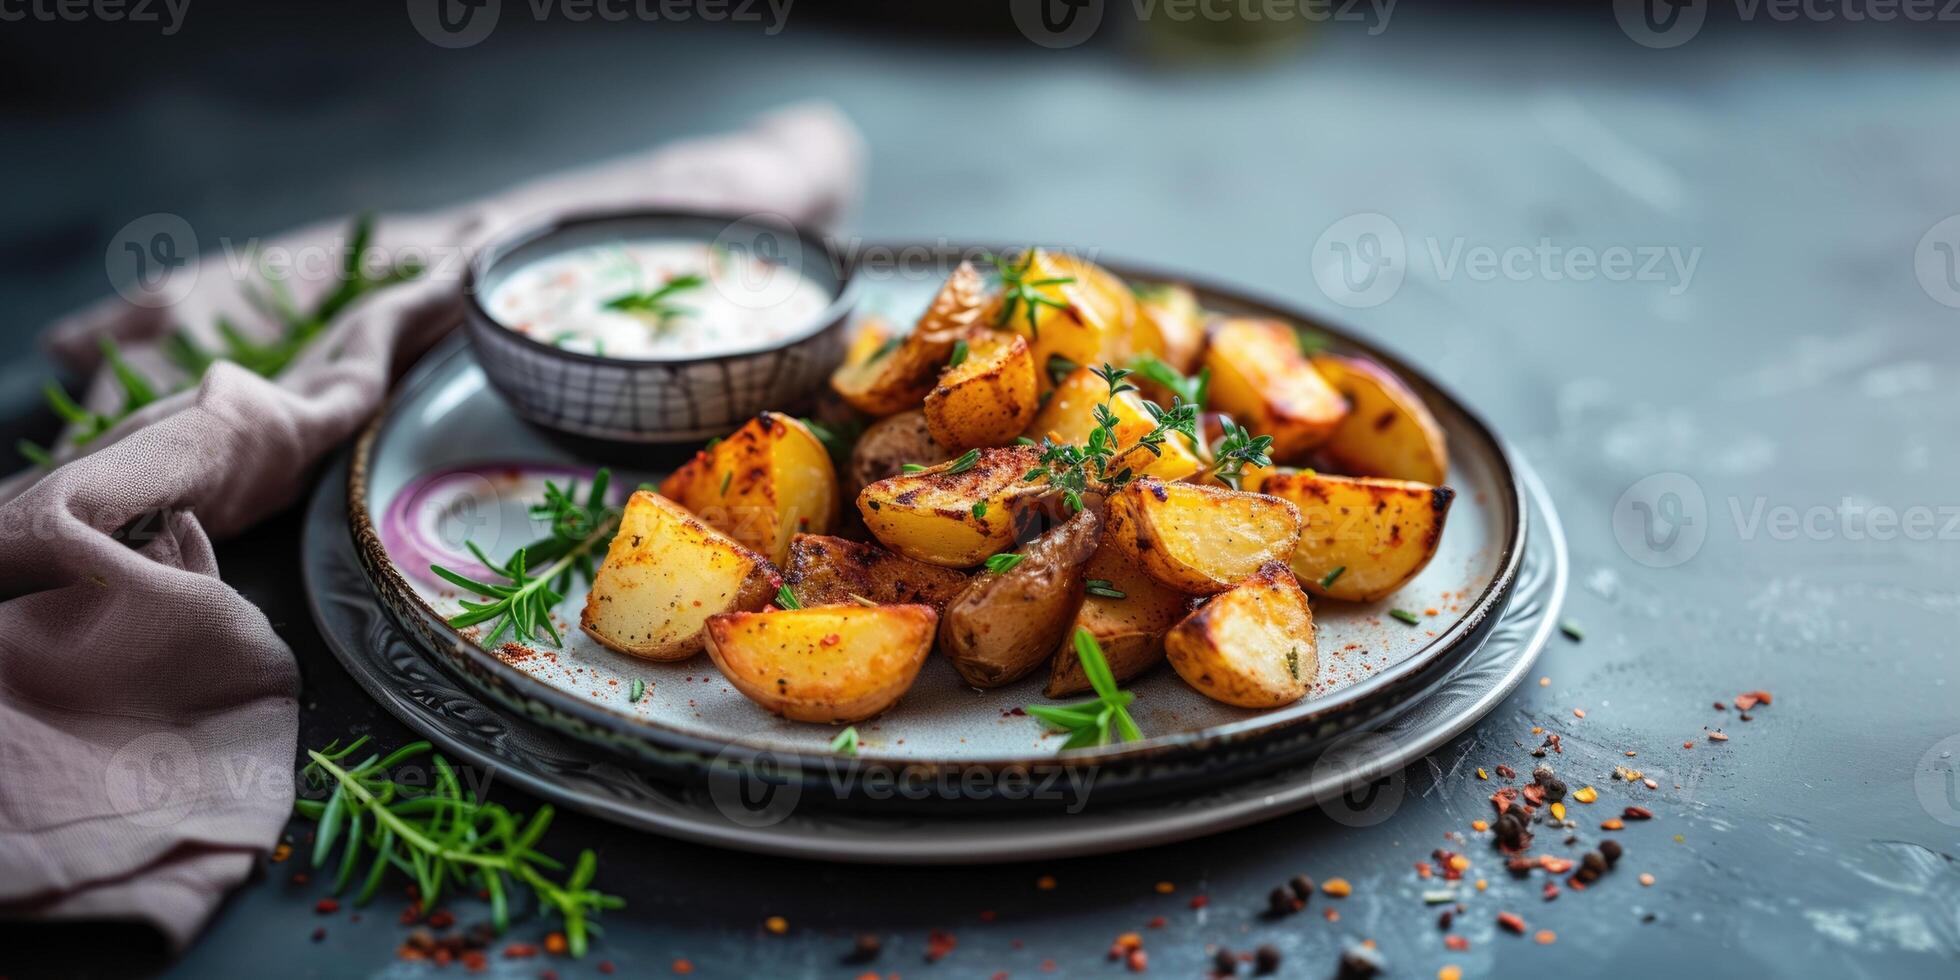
{"x":1224,"y":963}
{"x":1594,"y":862}
{"x":1302,"y":887}
{"x":1265,"y":959}
{"x":1361,"y":962}
{"x":1611,"y":851}
{"x":865,"y":949}
{"x":1280,"y":902}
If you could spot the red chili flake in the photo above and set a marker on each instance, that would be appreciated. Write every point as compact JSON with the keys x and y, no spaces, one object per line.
{"x":302,"y":878}
{"x":988,"y":915}
{"x":474,"y":961}
{"x":1638,"y":813}
{"x":1719,"y":706}
{"x":319,"y":933}
{"x":938,"y":944}
{"x":1000,"y":975}
{"x":1511,"y":922}
{"x":1456,"y":943}
{"x":555,"y":944}
{"x":1554,"y":865}
{"x":412,"y":914}
{"x":1200,"y":901}
{"x":520,"y":951}
{"x":1157,"y":922}
{"x":1503,"y":798}
{"x":1507,"y":772}
{"x":1534,"y":794}
{"x":683,"y":966}
{"x":1331,"y":914}
{"x":1745,"y":702}
{"x":1551,"y":891}
{"x":830,"y":640}
{"x":1424,"y":871}
{"x":326,"y":906}
{"x":1139,"y":961}
{"x":1047,"y":966}
{"x":441,"y":919}
{"x":607,"y":967}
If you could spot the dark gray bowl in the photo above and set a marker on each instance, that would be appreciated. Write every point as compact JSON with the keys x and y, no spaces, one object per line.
{"x":655,"y":401}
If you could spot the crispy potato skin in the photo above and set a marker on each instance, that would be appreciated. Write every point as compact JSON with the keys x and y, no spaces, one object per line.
{"x":1252,"y":646}
{"x":890,"y":443}
{"x":1130,"y":630}
{"x":823,"y":570}
{"x":1069,"y":416}
{"x":1091,"y":325}
{"x":1388,"y":431}
{"x":1200,"y":539}
{"x":1380,"y":532}
{"x":769,"y":481}
{"x":903,"y":376}
{"x":1170,"y":325}
{"x":665,"y":573}
{"x":987,"y":399}
{"x":1259,"y":378}
{"x":929,"y":517}
{"x":826,"y":664}
{"x":1001,"y":627}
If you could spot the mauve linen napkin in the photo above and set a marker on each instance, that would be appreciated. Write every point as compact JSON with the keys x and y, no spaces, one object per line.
{"x":147,"y":710}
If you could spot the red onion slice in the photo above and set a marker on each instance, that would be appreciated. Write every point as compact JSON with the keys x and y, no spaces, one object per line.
{"x":412,"y":527}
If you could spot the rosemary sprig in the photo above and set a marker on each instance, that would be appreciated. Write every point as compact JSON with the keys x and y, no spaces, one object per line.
{"x":1018,"y":292}
{"x":523,"y":606}
{"x":439,"y":837}
{"x":1099,"y":721}
{"x":298,"y":328}
{"x":1237,"y":449}
{"x":786,"y":599}
{"x":846,"y":742}
{"x":837,"y":437}
{"x":1193,"y":388}
{"x":1004,"y":562}
{"x":654,"y":304}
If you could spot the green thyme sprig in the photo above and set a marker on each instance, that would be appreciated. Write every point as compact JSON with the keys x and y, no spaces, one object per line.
{"x":1099,"y":721}
{"x":297,"y":329}
{"x":1192,"y":388}
{"x":655,"y":304}
{"x":1097,"y":464}
{"x":1019,"y":293}
{"x":785,"y":599}
{"x":1238,"y":448}
{"x":579,"y":530}
{"x":439,"y":837}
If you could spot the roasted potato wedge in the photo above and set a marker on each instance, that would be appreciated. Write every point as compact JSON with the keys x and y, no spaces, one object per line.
{"x":1388,"y":431}
{"x":1170,"y":325}
{"x":1361,"y":538}
{"x":1130,"y":630}
{"x":1069,"y":415}
{"x":896,"y":376}
{"x":823,"y":570}
{"x":826,"y":664}
{"x":1259,"y":378}
{"x":1087,"y":316}
{"x":763,"y":485}
{"x":1200,"y":539}
{"x":888,"y":444}
{"x":1252,"y":646}
{"x":1002,"y":626}
{"x":986,"y":399}
{"x":956,"y":516}
{"x":664,"y":575}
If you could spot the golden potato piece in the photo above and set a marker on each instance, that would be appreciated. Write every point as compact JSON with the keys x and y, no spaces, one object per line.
{"x":1252,"y":646}
{"x":1129,"y":629}
{"x":1169,"y":324}
{"x":827,"y":664}
{"x":1003,"y":626}
{"x":768,"y":482}
{"x":1085,"y":315}
{"x":958,"y":513}
{"x":1259,"y":378}
{"x":1361,"y":538}
{"x":823,"y":570}
{"x":896,"y":376}
{"x":986,"y":399}
{"x":664,"y":575}
{"x":1200,"y":539}
{"x":890,"y":443}
{"x":1388,"y":431}
{"x":1069,"y":415}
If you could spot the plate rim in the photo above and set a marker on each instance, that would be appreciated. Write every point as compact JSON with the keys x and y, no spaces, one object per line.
{"x":1465,"y":629}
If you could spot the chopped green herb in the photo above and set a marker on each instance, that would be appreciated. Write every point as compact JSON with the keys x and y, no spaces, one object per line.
{"x":979,"y":508}
{"x":885,"y":349}
{"x":785,"y":599}
{"x":638,"y":690}
{"x":1405,"y":616}
{"x":725,"y":477}
{"x":1311,"y":341}
{"x":1104,"y":588}
{"x":1024,"y":441}
{"x":578,"y":531}
{"x":959,"y":354}
{"x":1293,"y":662}
{"x":1193,"y":389}
{"x":655,"y":303}
{"x":1059,"y":368}
{"x":967,"y":461}
{"x":913,"y":468}
{"x":1327,"y":580}
{"x":846,"y":742}
{"x":1571,"y":629}
{"x":1019,"y":293}
{"x":1102,"y":720}
{"x":1002,"y":563}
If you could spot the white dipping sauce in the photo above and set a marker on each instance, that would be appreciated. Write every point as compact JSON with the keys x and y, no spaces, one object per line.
{"x":657,"y":299}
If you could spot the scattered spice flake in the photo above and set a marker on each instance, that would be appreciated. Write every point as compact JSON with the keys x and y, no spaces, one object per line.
{"x":1650,"y":784}
{"x":1165,"y":888}
{"x":1571,"y":630}
{"x":1138,"y":962}
{"x":1045,"y":883}
{"x":1457,"y":943}
{"x":938,"y":944}
{"x":1544,"y":682}
{"x":1626,"y":775}
{"x":1510,"y":922}
{"x":1337,"y":887}
{"x":1157,"y":922}
{"x":1480,"y":825}
{"x":1481,"y":774}
{"x":520,"y":951}
{"x":555,"y":944}
{"x":1200,"y":901}
{"x":1554,"y":865}
{"x":988,"y":915}
{"x":1689,"y":744}
{"x":1646,"y":880}
{"x":1613,"y":824}
{"x":1482,"y":884}
{"x":1717,"y":737}
{"x":1451,"y":972}
{"x":1558,"y":812}
{"x":1585,"y":794}
{"x":1578,"y":712}
{"x":607,"y":967}
{"x":1745,"y":702}
{"x":1459,"y":863}
{"x":326,"y":906}
{"x":281,"y":852}
{"x":776,"y":924}
{"x":683,"y":967}
{"x":1125,"y":943}
{"x":1507,"y":772}
{"x":1638,"y":813}
{"x":1331,"y":914}
{"x":1546,"y":937}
